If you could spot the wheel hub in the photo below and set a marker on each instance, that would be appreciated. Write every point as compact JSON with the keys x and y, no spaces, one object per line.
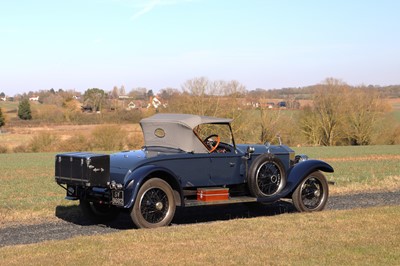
{"x":159,"y":206}
{"x":274,"y":179}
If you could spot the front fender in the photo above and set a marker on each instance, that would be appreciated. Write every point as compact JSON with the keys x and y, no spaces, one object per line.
{"x":297,"y":173}
{"x":137,"y":177}
{"x":301,"y":170}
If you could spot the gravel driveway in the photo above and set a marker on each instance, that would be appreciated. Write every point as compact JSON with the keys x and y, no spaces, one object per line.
{"x":67,"y":227}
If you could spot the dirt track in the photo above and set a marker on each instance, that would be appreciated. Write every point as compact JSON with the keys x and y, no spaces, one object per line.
{"x":68,"y":227}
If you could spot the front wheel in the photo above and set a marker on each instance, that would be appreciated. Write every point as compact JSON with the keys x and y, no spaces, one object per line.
{"x":312,"y":193}
{"x":154,"y":205}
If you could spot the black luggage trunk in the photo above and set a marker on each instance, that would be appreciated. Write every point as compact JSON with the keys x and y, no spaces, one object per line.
{"x":85,"y":169}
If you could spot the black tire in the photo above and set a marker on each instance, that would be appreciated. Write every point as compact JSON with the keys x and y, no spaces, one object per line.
{"x":312,"y":193}
{"x":154,"y":204}
{"x":98,"y":213}
{"x":266,"y":176}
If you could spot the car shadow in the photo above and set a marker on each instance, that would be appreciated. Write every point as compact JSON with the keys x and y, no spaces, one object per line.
{"x":73,"y":214}
{"x":189,"y":215}
{"x":203,"y":214}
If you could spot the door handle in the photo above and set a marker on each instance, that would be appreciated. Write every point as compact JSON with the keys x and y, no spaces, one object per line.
{"x":232,"y":164}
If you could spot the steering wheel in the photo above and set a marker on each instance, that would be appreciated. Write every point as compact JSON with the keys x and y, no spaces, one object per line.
{"x":212,"y":142}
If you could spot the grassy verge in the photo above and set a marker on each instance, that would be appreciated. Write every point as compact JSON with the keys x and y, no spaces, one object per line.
{"x":363,"y":236}
{"x":360,"y":168}
{"x":28,"y":191}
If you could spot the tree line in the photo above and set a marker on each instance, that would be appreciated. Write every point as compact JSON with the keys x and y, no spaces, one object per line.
{"x":337,"y":113}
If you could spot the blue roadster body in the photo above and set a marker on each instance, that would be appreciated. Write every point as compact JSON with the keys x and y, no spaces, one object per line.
{"x":188,"y":160}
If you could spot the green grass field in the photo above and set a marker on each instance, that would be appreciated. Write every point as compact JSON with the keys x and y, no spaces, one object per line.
{"x":28,"y":194}
{"x":28,"y":190}
{"x":396,"y":114}
{"x":356,"y":167}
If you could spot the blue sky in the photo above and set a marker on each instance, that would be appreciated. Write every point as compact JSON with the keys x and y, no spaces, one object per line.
{"x":81,"y":44}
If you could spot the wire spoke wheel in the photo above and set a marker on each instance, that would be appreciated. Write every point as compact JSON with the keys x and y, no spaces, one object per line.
{"x":269,"y":178}
{"x":266,"y":176}
{"x":312,"y":193}
{"x":154,"y":205}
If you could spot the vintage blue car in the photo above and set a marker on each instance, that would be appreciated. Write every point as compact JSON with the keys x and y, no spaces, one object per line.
{"x":188,"y":160}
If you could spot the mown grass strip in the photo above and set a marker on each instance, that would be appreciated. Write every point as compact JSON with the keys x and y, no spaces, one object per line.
{"x":361,"y":236}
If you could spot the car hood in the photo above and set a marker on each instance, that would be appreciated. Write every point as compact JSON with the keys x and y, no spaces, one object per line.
{"x":260,"y":149}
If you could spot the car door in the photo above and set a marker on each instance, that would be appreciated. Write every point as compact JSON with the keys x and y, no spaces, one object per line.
{"x":226,"y":169}
{"x":192,"y":170}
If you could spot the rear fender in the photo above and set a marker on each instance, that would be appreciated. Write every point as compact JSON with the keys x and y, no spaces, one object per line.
{"x":139,"y":176}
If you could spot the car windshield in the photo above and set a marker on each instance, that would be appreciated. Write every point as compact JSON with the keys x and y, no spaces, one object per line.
{"x":204,"y":131}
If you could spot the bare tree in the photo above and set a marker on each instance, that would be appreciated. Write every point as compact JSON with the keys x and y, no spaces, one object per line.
{"x":363,"y":110}
{"x":233,"y":101}
{"x":270,"y":124}
{"x":115,"y":92}
{"x":200,"y":96}
{"x":122,"y":90}
{"x":322,"y":123}
{"x":309,"y":126}
{"x":168,"y":93}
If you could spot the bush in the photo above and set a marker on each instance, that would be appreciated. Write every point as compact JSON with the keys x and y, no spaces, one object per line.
{"x":109,"y":137}
{"x":3,"y":149}
{"x":50,"y":114}
{"x":43,"y":142}
{"x":75,"y":143}
{"x":21,"y":148}
{"x":135,"y":141}
{"x":123,"y":116}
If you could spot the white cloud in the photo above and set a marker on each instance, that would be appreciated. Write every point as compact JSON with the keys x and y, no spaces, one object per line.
{"x":145,"y":7}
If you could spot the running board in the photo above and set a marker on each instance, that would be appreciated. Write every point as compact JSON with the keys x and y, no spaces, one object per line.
{"x":192,"y":203}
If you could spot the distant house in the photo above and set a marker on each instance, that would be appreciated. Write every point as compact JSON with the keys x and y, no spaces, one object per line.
{"x":3,"y":98}
{"x":270,"y":105}
{"x":34,"y":98}
{"x":131,"y":106}
{"x":253,"y":104}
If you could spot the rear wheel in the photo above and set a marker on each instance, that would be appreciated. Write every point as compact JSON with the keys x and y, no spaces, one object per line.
{"x":97,"y":212}
{"x":312,"y":193}
{"x":154,"y":205}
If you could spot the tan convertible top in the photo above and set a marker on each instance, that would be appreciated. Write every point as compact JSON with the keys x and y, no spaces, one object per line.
{"x":176,"y":131}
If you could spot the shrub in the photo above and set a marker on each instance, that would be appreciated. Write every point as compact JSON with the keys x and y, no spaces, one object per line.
{"x":74,"y":143}
{"x":50,"y":114}
{"x":108,"y":137}
{"x":43,"y":142}
{"x":21,"y":148}
{"x":123,"y":116}
{"x":3,"y":149}
{"x":135,"y":140}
